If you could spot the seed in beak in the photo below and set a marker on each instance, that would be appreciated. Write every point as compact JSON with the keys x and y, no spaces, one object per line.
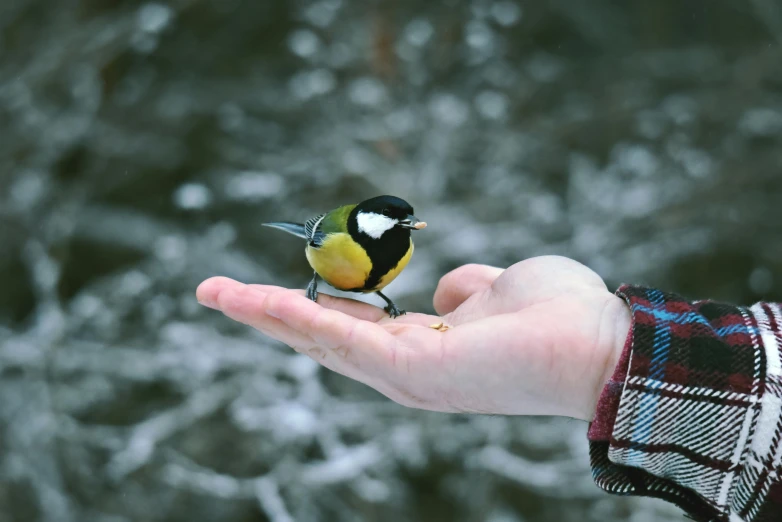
{"x":420,"y":225}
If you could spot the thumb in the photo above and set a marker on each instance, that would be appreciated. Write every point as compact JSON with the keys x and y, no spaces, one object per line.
{"x":458,"y":285}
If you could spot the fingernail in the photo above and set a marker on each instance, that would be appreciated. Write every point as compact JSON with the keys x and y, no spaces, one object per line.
{"x":272,"y":313}
{"x":270,"y":307}
{"x":207,"y":302}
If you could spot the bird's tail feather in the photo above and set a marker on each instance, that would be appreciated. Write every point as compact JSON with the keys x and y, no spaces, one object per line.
{"x":297,"y":229}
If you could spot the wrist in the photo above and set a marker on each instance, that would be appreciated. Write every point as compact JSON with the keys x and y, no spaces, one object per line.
{"x":614,"y":331}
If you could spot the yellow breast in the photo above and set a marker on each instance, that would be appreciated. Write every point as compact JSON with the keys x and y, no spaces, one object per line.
{"x":340,"y":261}
{"x":345,"y":265}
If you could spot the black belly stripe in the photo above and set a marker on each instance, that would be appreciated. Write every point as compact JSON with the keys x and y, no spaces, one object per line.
{"x":379,"y":269}
{"x":385,"y":253}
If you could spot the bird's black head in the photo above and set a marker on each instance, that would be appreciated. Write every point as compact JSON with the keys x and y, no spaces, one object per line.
{"x":390,"y":206}
{"x":374,"y":217}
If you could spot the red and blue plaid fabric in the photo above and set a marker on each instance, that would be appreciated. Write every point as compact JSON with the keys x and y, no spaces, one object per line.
{"x":693,"y":412}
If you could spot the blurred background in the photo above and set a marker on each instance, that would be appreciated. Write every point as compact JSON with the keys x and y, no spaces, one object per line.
{"x":142,"y":144}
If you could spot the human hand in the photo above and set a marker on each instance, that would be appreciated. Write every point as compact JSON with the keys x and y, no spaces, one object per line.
{"x":540,"y":338}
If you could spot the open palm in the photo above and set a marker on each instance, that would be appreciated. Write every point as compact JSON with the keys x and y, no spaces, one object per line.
{"x":538,"y":338}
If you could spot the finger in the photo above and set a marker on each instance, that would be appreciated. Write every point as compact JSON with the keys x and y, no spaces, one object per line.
{"x":208,"y":291}
{"x":457,"y":286}
{"x":361,"y":350}
{"x":244,"y":303}
{"x":375,"y":353}
{"x":268,"y":289}
{"x":330,"y":328}
{"x":358,"y":309}
{"x":371,"y":353}
{"x":247,"y":305}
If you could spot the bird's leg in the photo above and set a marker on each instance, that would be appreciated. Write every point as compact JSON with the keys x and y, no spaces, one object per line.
{"x":312,"y":288}
{"x":393,"y":310}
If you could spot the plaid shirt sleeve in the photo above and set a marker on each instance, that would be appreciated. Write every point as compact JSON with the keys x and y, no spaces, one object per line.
{"x":693,"y":412}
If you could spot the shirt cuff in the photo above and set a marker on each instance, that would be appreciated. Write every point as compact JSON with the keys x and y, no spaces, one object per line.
{"x":608,"y":404}
{"x":679,"y":418}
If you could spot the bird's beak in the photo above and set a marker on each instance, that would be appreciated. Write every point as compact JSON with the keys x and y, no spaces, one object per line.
{"x":412,"y":223}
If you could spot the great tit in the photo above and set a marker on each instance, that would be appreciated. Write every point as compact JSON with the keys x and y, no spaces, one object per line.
{"x":359,"y":248}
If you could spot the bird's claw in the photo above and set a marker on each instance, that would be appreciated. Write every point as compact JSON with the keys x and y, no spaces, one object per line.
{"x":394,"y":311}
{"x":312,"y":293}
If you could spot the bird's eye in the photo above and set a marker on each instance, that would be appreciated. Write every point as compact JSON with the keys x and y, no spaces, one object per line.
{"x":386,"y":212}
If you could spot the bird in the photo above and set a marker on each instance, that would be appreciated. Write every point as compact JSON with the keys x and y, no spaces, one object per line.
{"x":360,"y":247}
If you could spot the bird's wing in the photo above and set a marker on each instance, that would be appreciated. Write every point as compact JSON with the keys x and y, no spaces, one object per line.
{"x":312,"y":230}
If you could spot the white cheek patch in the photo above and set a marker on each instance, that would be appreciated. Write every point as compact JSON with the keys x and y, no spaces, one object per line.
{"x":374,"y":225}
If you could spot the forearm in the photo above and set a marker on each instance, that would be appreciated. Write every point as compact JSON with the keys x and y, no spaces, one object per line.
{"x":692,"y":411}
